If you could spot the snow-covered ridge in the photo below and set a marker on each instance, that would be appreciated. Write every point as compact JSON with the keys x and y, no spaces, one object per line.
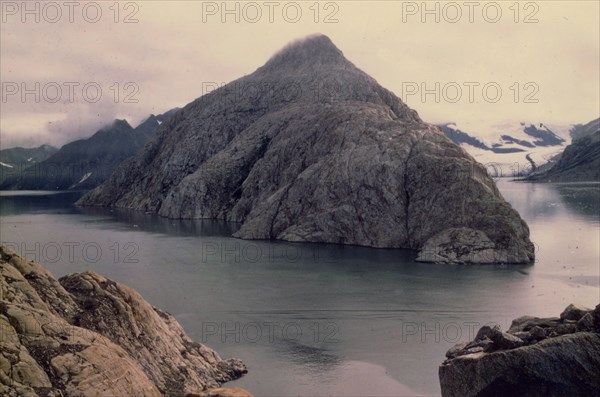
{"x":510,"y":148}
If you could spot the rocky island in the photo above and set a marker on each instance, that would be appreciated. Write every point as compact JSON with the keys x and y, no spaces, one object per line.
{"x":309,"y":148}
{"x":556,"y":356}
{"x":86,"y":335}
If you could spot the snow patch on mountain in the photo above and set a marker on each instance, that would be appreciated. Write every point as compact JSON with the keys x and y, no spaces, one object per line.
{"x":83,"y":179}
{"x":510,"y":148}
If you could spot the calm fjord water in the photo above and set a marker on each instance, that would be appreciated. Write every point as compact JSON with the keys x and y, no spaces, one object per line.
{"x":311,"y":319}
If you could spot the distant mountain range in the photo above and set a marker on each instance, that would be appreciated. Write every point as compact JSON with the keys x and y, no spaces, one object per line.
{"x":527,"y":136}
{"x":10,"y":158}
{"x":510,"y":149}
{"x":580,"y":161}
{"x":81,"y":164}
{"x":534,"y":150}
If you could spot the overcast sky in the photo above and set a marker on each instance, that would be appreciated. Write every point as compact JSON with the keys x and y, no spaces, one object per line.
{"x":543,"y":56}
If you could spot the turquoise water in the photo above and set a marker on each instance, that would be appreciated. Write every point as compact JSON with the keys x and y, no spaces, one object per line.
{"x":312,"y":319}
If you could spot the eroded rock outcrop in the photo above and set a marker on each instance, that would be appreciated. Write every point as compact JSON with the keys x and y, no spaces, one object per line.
{"x":556,"y":356}
{"x":310,"y":148}
{"x":85,"y":335}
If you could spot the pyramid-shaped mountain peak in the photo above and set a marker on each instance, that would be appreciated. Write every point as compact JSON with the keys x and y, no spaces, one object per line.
{"x":117,"y":124}
{"x":312,"y":50}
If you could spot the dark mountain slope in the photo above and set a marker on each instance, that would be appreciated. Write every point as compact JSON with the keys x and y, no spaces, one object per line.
{"x":581,"y":159}
{"x":19,"y":155}
{"x":14,"y":160}
{"x":85,"y":163}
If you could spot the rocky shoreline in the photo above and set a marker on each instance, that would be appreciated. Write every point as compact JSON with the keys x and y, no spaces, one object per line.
{"x":554,"y":356}
{"x":86,"y":335}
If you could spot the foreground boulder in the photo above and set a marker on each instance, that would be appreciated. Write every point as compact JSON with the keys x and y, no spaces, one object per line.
{"x":542,"y":357}
{"x":85,"y":335}
{"x":309,"y":148}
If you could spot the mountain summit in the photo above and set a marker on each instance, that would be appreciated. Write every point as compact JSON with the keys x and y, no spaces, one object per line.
{"x":310,"y":148}
{"x":314,"y":51}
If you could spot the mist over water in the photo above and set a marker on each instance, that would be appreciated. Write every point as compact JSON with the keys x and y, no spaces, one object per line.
{"x":318,"y":319}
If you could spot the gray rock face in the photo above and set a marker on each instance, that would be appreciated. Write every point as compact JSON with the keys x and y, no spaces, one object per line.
{"x":310,"y":148}
{"x":536,"y":357}
{"x":89,"y":336}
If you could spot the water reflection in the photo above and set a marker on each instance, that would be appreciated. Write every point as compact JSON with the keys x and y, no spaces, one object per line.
{"x":316,"y":358}
{"x":29,"y":202}
{"x":157,"y":224}
{"x":582,"y":199}
{"x":549,"y":200}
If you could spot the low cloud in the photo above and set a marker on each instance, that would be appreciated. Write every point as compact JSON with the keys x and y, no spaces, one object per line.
{"x":170,"y":52}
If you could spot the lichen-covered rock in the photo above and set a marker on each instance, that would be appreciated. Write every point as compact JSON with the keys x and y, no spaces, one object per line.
{"x":90,"y":336}
{"x":309,"y":148}
{"x":537,"y":357}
